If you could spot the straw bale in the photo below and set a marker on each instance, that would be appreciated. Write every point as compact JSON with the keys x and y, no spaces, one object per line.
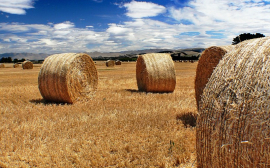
{"x":27,"y":65}
{"x":118,"y":62}
{"x":2,"y":65}
{"x":207,"y":63}
{"x":155,"y":72}
{"x":16,"y":65}
{"x":110,"y":63}
{"x":233,"y":123}
{"x":68,"y":77}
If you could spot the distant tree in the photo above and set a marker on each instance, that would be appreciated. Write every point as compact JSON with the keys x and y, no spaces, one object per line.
{"x":23,"y":59}
{"x":246,"y":36}
{"x":9,"y":59}
{"x":15,"y":60}
{"x":6,"y":60}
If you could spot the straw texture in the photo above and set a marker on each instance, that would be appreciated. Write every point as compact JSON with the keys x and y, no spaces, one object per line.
{"x":68,"y":77}
{"x":27,"y":65}
{"x":155,"y":73}
{"x":110,"y":63}
{"x":2,"y":65}
{"x":16,"y":65}
{"x":234,"y":115}
{"x":207,"y":63}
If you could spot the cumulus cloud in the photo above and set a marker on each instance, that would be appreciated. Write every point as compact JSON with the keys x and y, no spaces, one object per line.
{"x":64,"y":25}
{"x":201,"y":23}
{"x":50,"y":38}
{"x":15,"y":6}
{"x":137,"y":9}
{"x":224,"y":14}
{"x":227,"y":17}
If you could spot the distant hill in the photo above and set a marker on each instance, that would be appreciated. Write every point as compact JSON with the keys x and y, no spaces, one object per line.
{"x":30,"y":56}
{"x":41,"y":56}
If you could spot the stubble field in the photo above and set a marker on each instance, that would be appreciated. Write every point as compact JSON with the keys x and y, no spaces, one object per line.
{"x":118,"y":127}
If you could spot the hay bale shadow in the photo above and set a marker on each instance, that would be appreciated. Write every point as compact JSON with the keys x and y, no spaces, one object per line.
{"x":134,"y":91}
{"x":45,"y":102}
{"x":188,"y":118}
{"x":141,"y":91}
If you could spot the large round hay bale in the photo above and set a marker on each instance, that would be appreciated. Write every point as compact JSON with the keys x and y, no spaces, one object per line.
{"x":110,"y":63}
{"x":233,"y":125}
{"x":16,"y":65}
{"x":118,"y":62}
{"x":2,"y":65}
{"x":155,"y":73}
{"x":207,"y":63}
{"x":67,"y":77}
{"x":27,"y":65}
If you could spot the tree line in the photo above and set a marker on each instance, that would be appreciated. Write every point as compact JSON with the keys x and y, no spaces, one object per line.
{"x":9,"y":60}
{"x":246,"y":36}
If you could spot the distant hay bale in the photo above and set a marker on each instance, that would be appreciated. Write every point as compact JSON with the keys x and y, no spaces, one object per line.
{"x":234,"y":113}
{"x":110,"y":63}
{"x":118,"y":62}
{"x":207,"y":63}
{"x":16,"y":65}
{"x":27,"y":65}
{"x":155,"y":72}
{"x":2,"y":65}
{"x":67,"y":77}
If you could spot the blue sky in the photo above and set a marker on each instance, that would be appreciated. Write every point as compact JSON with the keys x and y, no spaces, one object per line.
{"x":57,"y":26}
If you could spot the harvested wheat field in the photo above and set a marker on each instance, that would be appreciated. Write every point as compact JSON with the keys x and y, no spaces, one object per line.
{"x":118,"y":127}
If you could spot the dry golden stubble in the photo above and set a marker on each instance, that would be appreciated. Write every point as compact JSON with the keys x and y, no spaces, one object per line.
{"x":155,"y":73}
{"x":233,"y":121}
{"x":27,"y":65}
{"x":117,"y":128}
{"x":207,"y":63}
{"x":68,"y":77}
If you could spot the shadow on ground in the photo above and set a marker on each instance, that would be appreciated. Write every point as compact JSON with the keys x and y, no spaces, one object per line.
{"x":45,"y":102}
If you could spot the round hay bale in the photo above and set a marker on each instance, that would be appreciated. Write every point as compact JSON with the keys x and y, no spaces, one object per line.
{"x":118,"y":62}
{"x":16,"y":65}
{"x":233,"y":122}
{"x":67,"y":77}
{"x":207,"y":63}
{"x":155,"y":73}
{"x":27,"y":65}
{"x":110,"y":63}
{"x":2,"y":65}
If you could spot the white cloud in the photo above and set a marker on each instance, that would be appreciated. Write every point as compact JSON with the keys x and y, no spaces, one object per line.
{"x":15,"y":6}
{"x":48,"y":42}
{"x":64,"y":25}
{"x":231,"y":17}
{"x":213,"y":23}
{"x":118,"y":29}
{"x":143,"y":9}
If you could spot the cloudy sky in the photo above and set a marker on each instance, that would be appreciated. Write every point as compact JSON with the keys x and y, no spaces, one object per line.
{"x":56,"y":26}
